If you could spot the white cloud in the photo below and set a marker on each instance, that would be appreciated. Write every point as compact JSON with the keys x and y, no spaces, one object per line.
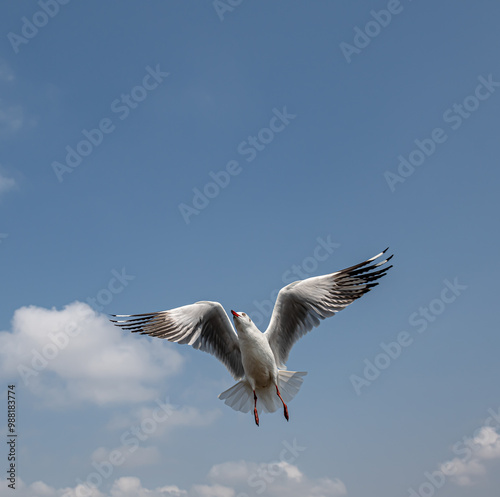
{"x":74,"y":354}
{"x":279,"y":479}
{"x":6,"y":184}
{"x":288,"y":481}
{"x":483,"y":447}
{"x":129,"y":486}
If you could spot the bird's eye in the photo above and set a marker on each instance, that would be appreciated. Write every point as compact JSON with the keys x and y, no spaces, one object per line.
{"x":243,"y":314}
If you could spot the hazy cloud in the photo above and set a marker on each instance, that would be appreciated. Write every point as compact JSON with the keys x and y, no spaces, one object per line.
{"x":140,"y":456}
{"x":483,"y":447}
{"x":178,"y":416}
{"x":6,"y":184}
{"x":6,"y":72}
{"x":11,"y":119}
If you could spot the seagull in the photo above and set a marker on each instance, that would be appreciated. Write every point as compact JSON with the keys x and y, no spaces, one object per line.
{"x":257,"y":360}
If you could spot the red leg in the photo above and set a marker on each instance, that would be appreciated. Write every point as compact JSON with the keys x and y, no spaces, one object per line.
{"x":285,"y":408}
{"x":255,"y":413}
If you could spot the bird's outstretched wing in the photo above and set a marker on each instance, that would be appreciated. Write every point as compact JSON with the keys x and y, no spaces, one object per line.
{"x":302,"y":304}
{"x":203,"y":325}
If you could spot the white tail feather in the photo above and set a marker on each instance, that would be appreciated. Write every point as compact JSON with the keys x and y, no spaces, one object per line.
{"x":240,"y":395}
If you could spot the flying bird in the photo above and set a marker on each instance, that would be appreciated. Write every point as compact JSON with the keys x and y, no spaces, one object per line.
{"x":255,"y":359}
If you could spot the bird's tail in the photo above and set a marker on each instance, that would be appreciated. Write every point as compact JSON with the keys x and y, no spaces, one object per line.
{"x":240,"y":396}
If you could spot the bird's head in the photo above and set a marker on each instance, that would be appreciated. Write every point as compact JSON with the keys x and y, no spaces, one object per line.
{"x":241,"y":320}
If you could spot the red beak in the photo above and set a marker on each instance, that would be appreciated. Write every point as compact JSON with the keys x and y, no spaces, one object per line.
{"x":235,"y":314}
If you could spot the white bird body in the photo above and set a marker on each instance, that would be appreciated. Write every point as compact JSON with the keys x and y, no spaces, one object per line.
{"x":254,"y":358}
{"x":256,"y":354}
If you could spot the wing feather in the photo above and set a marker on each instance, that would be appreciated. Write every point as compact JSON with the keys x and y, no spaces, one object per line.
{"x":203,"y":325}
{"x":302,"y":305}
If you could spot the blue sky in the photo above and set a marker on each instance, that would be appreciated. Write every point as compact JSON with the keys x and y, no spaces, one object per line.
{"x":306,"y":122}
